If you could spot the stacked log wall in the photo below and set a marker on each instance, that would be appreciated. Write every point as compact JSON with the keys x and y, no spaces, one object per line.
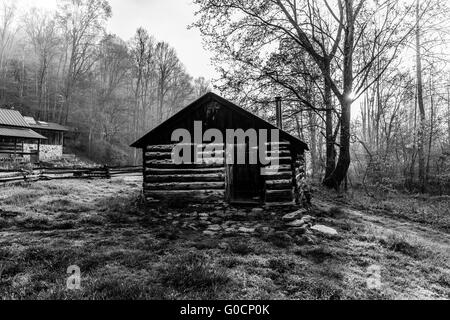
{"x":279,"y":187}
{"x":165,"y":181}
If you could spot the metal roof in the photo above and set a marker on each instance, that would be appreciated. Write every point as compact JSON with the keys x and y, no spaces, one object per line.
{"x":12,"y":118}
{"x":29,"y":120}
{"x":20,"y":133}
{"x":48,"y":126}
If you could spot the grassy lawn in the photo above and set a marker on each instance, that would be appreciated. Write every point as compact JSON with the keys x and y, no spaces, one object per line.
{"x":128,"y":251}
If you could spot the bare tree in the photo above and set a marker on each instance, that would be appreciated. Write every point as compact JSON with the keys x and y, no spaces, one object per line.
{"x":82,"y":22}
{"x":331,"y":36}
{"x":114,"y":64}
{"x":41,"y":30}
{"x":142,"y":50}
{"x":7,"y":31}
{"x":421,"y":131}
{"x":167,"y":65}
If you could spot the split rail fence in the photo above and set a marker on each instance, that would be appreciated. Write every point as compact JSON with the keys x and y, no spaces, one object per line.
{"x":36,"y":174}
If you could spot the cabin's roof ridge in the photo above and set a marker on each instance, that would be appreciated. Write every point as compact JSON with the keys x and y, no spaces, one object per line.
{"x":228,"y":104}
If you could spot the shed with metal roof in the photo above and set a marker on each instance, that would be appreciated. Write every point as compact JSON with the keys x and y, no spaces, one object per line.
{"x":16,"y":136}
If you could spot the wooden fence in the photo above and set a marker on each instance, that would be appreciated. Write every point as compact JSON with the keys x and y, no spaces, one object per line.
{"x":8,"y":176}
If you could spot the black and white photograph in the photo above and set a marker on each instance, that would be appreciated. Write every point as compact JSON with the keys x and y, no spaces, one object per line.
{"x":228,"y":156}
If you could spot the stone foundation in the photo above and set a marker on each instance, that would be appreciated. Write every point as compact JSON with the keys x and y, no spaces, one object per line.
{"x":46,"y":152}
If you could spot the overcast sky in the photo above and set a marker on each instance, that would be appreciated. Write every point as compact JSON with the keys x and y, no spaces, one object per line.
{"x":164,"y":19}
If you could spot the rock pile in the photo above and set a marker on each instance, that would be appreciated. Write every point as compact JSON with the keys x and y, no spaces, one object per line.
{"x":298,"y":225}
{"x":302,"y":224}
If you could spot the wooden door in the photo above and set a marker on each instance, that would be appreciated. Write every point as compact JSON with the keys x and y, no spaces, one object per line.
{"x":245,"y":182}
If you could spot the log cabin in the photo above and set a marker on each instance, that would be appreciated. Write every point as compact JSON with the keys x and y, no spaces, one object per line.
{"x":15,"y":135}
{"x":23,"y":139}
{"x":217,"y":179}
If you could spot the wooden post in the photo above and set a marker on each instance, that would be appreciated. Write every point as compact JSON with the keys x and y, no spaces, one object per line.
{"x":107,"y":172}
{"x":38,"y":149}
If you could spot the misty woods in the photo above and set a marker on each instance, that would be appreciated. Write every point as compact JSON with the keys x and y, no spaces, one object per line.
{"x":63,"y":66}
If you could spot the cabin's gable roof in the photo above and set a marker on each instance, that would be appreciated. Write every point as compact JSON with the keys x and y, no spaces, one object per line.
{"x":141,"y":143}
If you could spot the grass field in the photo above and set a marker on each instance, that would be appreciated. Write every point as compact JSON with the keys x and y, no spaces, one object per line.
{"x":128,"y":251}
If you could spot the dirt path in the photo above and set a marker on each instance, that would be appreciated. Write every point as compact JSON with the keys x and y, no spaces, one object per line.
{"x":424,"y":234}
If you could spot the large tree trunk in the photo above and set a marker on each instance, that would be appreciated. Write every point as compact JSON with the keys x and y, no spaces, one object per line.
{"x":364,"y":117}
{"x":136,"y":112}
{"x":346,"y":100}
{"x":430,"y":138}
{"x":378,"y":117}
{"x":340,"y":172}
{"x":329,"y":136}
{"x":70,"y":82}
{"x":64,"y":116}
{"x":40,"y":88}
{"x":313,"y":146}
{"x":421,"y":131}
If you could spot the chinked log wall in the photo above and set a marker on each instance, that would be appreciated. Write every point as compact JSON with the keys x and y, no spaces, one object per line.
{"x":206,"y":182}
{"x":279,"y":186}
{"x":164,"y":180}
